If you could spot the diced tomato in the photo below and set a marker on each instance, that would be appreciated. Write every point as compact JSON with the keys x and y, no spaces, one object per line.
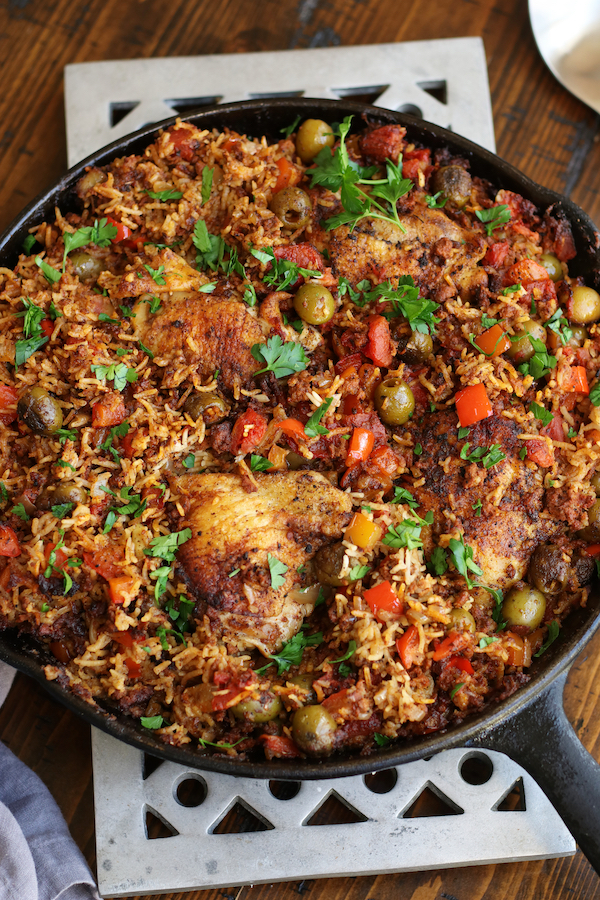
{"x":348,"y":362}
{"x":472,"y":405}
{"x":592,"y":549}
{"x":133,"y":667}
{"x":104,"y":561}
{"x":361,"y":444}
{"x":304,"y":255}
{"x":289,"y":174}
{"x":47,"y":326}
{"x":385,"y":459}
{"x":407,"y":646}
{"x":8,"y":404}
{"x":230,"y":143}
{"x":124,"y":638}
{"x":383,"y":143}
{"x":9,"y":542}
{"x":415,"y":161}
{"x":248,"y":431}
{"x":453,"y":642}
{"x":540,"y":453}
{"x":123,"y":231}
{"x":280,"y":746}
{"x":525,"y":270}
{"x":383,"y":597}
{"x":460,"y":662}
{"x":126,"y":443}
{"x":379,"y":345}
{"x":351,"y":405}
{"x":577,"y":382}
{"x":228,"y":698}
{"x":554,"y":429}
{"x":496,"y":254}
{"x":118,"y":588}
{"x":109,"y":410}
{"x":292,"y":427}
{"x":336,"y":702}
{"x":155,"y":495}
{"x":184,"y":142}
{"x":493,"y":342}
{"x":60,"y":557}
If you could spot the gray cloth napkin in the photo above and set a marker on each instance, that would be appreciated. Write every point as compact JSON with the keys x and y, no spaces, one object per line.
{"x":39,"y":859}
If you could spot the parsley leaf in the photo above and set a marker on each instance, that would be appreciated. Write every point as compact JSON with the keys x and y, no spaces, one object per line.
{"x":595,"y":394}
{"x":28,"y":243}
{"x":487,"y":321}
{"x":165,"y":546}
{"x":540,"y":363}
{"x":511,"y":289}
{"x":312,"y":427}
{"x":52,"y":274}
{"x":163,"y":196}
{"x":101,"y":233}
{"x":277,"y":570}
{"x":190,"y":461}
{"x":553,"y":632}
{"x":65,"y":465}
{"x":381,"y":739}
{"x":154,"y":302}
{"x":358,"y":572}
{"x":456,"y":688}
{"x":26,"y":348}
{"x":486,"y":641}
{"x":134,"y":506}
{"x":32,"y":330}
{"x":438,"y":561}
{"x":560,"y":326}
{"x":60,"y":510}
{"x":401,"y":495}
{"x":156,"y":274}
{"x":434,"y":202}
{"x":462,"y":557}
{"x":180,"y":614}
{"x":152,"y":722}
{"x":118,"y":431}
{"x":289,"y":129}
{"x":161,"y":576}
{"x":19,"y":511}
{"x":349,"y":652}
{"x":407,"y":533}
{"x":281,"y":359}
{"x":283,"y":272}
{"x":103,"y":317}
{"x":477,"y":507}
{"x":259,"y":463}
{"x":406,"y":302}
{"x":544,"y":415}
{"x":118,"y":373}
{"x":146,"y":350}
{"x":291,"y":653}
{"x":494,"y":217}
{"x":207,"y":180}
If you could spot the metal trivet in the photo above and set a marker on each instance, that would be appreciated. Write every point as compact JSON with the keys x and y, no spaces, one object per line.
{"x":443,"y":81}
{"x":446,"y":82}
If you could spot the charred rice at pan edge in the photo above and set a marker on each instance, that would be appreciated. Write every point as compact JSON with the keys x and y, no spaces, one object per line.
{"x":298,"y":439}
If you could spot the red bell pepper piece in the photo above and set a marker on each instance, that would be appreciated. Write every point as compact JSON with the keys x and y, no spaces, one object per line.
{"x":103,"y":561}
{"x":472,"y":405}
{"x":460,"y":662}
{"x":493,"y":342}
{"x":123,"y":231}
{"x":292,"y":427}
{"x":108,"y":411}
{"x":8,"y":404}
{"x":445,"y":647}
{"x":118,"y":588}
{"x":496,"y":254}
{"x":592,"y":549}
{"x":383,"y":596}
{"x":379,"y":344}
{"x":47,"y":326}
{"x":577,"y":381}
{"x":407,"y":646}
{"x":361,"y":444}
{"x":279,"y":745}
{"x":9,"y":542}
{"x":288,"y":174}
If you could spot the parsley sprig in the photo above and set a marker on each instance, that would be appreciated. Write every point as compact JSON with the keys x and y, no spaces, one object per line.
{"x":118,"y":373}
{"x":100,"y":233}
{"x":281,"y":358}
{"x":489,"y":456}
{"x":282,"y":272}
{"x":407,"y":533}
{"x":133,"y":506}
{"x":33,"y":335}
{"x":313,"y":428}
{"x":541,"y":363}
{"x":493,"y":217}
{"x":291,"y":653}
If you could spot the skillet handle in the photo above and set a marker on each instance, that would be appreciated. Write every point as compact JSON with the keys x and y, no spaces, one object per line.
{"x":540,"y":738}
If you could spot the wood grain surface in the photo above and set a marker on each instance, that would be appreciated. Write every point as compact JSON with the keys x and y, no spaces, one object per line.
{"x":540,"y":128}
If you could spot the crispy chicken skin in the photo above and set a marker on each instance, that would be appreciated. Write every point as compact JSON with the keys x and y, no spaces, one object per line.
{"x":290,"y":516}
{"x":511,"y":522}
{"x":195,"y":329}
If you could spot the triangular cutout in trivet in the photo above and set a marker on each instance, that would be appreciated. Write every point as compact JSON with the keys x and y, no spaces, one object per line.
{"x":436,"y":89}
{"x":150,"y":765}
{"x":239,"y":819}
{"x":334,"y":810}
{"x":431,"y":802}
{"x":185,"y":105}
{"x":157,"y":826}
{"x":513,"y":800}
{"x":367,"y":94}
{"x":119,"y":110}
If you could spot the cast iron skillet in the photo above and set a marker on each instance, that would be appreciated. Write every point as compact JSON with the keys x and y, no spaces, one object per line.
{"x":530,"y":726}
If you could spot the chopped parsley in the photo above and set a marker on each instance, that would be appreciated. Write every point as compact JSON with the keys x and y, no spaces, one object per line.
{"x":560,"y":326}
{"x":3,"y":493}
{"x":489,"y":456}
{"x":312,"y":427}
{"x":190,"y":461}
{"x":60,"y":510}
{"x":52,"y":275}
{"x":180,"y":613}
{"x":118,"y":373}
{"x":571,"y":433}
{"x":161,"y":576}
{"x":146,"y":350}
{"x":476,"y":507}
{"x":438,"y":561}
{"x":540,"y":363}
{"x":153,"y":300}
{"x":401,"y":495}
{"x":44,"y":607}
{"x":281,"y":358}
{"x":118,"y":431}
{"x":544,"y":415}
{"x":349,"y":652}
{"x":19,"y":511}
{"x":486,"y":641}
{"x":463,"y":433}
{"x":291,"y":653}
{"x":211,"y":251}
{"x":103,"y":317}
{"x":259,"y":463}
{"x":65,"y":465}
{"x":358,"y":572}
{"x":156,"y":274}
{"x":406,"y":302}
{"x":207,"y":180}
{"x":28,"y":243}
{"x":163,"y":196}
{"x":494,"y":217}
{"x":462,"y":557}
{"x":234,"y":572}
{"x":283,"y":272}
{"x":101,"y":233}
{"x":381,"y":739}
{"x":407,"y":533}
{"x":289,"y":129}
{"x":434,"y":201}
{"x":133,"y":506}
{"x":165,"y":546}
{"x":277,"y":570}
{"x":34,"y":337}
{"x":595,"y":394}
{"x":418,"y":449}
{"x":511,"y":289}
{"x":152,"y":722}
{"x":553,"y":631}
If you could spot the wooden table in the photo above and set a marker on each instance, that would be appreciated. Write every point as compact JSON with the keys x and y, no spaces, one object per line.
{"x":539,"y":127}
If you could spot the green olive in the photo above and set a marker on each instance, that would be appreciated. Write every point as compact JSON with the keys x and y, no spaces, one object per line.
{"x":86,"y":266}
{"x":585,"y":305}
{"x":552,"y":266}
{"x":314,"y":304}
{"x":595,"y":482}
{"x":592,"y":531}
{"x":462,"y":620}
{"x":292,"y":207}
{"x":521,"y":350}
{"x":263,"y":708}
{"x":305,"y":682}
{"x":313,"y":135}
{"x":66,"y":492}
{"x":41,"y":412}
{"x":328,"y":563}
{"x":548,"y":570}
{"x":454,"y":182}
{"x":313,"y":730}
{"x":579,"y":336}
{"x":417,"y":348}
{"x":524,"y":605}
{"x":395,"y":401}
{"x":206,"y":405}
